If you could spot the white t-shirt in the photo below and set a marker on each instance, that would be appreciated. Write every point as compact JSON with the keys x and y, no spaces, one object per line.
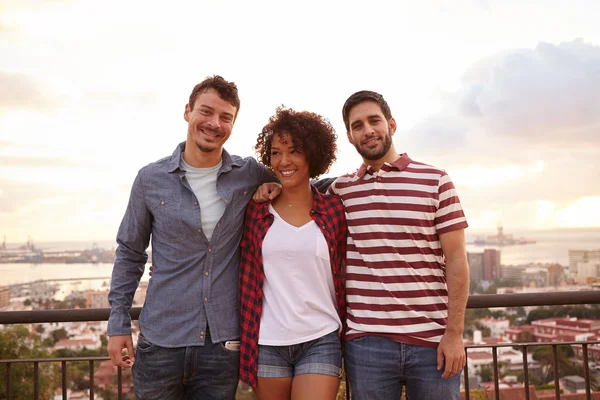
{"x":299,"y":295}
{"x":203,"y":182}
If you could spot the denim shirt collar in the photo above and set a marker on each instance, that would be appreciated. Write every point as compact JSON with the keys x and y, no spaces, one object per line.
{"x":228,"y":161}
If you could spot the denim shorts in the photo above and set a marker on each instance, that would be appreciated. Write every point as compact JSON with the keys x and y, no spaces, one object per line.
{"x":320,"y":356}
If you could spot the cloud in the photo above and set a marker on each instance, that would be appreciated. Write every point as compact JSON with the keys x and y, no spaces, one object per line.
{"x":52,"y":212}
{"x":524,"y":127}
{"x":21,"y":91}
{"x":551,"y":92}
{"x":40,"y":162}
{"x":541,"y":97}
{"x":119,"y":98}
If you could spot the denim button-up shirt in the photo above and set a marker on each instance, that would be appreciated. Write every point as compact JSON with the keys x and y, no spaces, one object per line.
{"x":195,"y":281}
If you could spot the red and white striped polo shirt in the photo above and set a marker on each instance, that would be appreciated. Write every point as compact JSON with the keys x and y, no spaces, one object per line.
{"x":396,"y":283}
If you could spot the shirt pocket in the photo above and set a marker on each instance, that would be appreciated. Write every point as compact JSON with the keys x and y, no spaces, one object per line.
{"x":322,"y":247}
{"x":168,"y":222}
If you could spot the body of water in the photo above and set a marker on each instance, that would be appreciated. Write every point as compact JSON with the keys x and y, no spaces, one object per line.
{"x":550,"y":246}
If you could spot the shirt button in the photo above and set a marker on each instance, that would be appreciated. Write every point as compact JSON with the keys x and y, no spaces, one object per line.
{"x":206,"y":273}
{"x":202,"y":333}
{"x":378,"y":179}
{"x":195,"y":203}
{"x":312,"y":212}
{"x":206,"y":299}
{"x":245,"y":192}
{"x":199,"y":229}
{"x":323,"y":227}
{"x":209,"y":250}
{"x":162,"y":202}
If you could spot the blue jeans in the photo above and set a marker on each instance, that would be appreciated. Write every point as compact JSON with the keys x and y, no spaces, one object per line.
{"x":208,"y":372}
{"x":319,"y":356}
{"x":378,"y":367}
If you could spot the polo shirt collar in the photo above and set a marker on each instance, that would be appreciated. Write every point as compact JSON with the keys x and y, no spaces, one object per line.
{"x":399,"y":164}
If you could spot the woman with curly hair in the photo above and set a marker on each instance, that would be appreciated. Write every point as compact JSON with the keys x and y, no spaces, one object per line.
{"x":292,"y":300}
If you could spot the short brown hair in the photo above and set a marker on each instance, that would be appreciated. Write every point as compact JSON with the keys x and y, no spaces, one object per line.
{"x":360,"y":97}
{"x":228,"y":91}
{"x":310,"y":133}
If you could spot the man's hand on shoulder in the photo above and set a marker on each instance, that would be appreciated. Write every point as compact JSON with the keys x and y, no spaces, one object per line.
{"x":451,"y":351}
{"x":266,"y":192}
{"x":115,"y":347}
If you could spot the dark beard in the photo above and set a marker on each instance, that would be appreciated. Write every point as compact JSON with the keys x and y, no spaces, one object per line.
{"x":369,"y":155}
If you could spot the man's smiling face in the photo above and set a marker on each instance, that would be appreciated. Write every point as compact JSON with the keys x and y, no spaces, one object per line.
{"x":210,"y":122}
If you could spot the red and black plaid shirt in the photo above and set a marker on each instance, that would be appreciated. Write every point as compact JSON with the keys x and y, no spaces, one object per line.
{"x":328,"y":213}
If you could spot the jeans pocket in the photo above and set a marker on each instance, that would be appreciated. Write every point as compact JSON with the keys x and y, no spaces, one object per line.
{"x":358,"y":340}
{"x":235,"y":349}
{"x":143,"y":344}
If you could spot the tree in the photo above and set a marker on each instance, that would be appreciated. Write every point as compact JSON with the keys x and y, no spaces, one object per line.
{"x":58,"y":334}
{"x":17,"y":342}
{"x":486,"y":373}
{"x":544,"y":356}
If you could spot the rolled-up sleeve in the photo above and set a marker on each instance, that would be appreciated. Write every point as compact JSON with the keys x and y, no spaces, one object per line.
{"x":132,"y":239}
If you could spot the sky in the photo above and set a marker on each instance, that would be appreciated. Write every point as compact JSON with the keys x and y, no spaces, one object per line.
{"x":504,"y":95}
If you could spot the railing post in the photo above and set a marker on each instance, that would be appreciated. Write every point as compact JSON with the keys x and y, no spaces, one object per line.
{"x":586,"y":372}
{"x":466,"y":375}
{"x":91,"y":379}
{"x":119,"y":383}
{"x":555,"y":366}
{"x":525,"y":372}
{"x":8,"y":381}
{"x":496,"y":373}
{"x":36,"y":380}
{"x":63,"y":367}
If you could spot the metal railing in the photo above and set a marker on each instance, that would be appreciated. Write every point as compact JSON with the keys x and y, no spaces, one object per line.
{"x":524,"y":349}
{"x":475,"y":301}
{"x":63,"y":362}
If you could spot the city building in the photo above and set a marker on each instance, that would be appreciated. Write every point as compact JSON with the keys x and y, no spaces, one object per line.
{"x":475,"y":261}
{"x":556,"y":275}
{"x":535,"y":277}
{"x":78,"y":344}
{"x":579,"y":256}
{"x":510,"y":359}
{"x":587,"y":269}
{"x":555,"y":330}
{"x":97,"y":299}
{"x":4,"y":296}
{"x":574,"y":384}
{"x":512,"y":272}
{"x":496,"y":326}
{"x":491,"y":264}
{"x":106,"y":375}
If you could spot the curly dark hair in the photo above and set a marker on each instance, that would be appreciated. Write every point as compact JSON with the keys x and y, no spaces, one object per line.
{"x":228,"y":91}
{"x":311,"y":133}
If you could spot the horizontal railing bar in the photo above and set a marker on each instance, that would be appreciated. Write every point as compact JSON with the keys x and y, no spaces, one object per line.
{"x":475,"y":301}
{"x":533,"y":299}
{"x":48,"y":316}
{"x":69,"y":359}
{"x":512,"y":344}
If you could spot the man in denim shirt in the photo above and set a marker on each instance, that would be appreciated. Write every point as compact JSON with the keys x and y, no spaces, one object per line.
{"x":191,"y":205}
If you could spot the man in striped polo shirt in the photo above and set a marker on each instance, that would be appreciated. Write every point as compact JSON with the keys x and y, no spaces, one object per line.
{"x":407,"y":271}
